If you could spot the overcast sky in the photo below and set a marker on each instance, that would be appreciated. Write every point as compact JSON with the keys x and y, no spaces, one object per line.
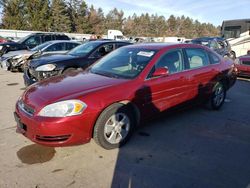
{"x":213,"y":11}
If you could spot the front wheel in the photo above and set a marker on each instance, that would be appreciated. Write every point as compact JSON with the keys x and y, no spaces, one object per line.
{"x":218,"y":97}
{"x":114,"y":126}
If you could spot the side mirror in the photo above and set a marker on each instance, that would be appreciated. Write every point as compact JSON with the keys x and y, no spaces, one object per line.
{"x":159,"y":72}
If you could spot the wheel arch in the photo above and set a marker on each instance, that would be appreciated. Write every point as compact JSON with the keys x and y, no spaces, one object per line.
{"x":225,"y":82}
{"x":128,"y":103}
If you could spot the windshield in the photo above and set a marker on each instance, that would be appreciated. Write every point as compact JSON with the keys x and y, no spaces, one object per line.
{"x":124,"y":63}
{"x":41,"y":46}
{"x":83,"y":49}
{"x":23,"y":39}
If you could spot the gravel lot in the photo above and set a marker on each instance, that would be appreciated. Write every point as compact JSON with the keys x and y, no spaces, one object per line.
{"x":190,"y":148}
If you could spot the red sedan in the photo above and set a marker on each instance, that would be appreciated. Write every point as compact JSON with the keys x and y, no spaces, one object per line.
{"x":108,"y":100}
{"x":243,"y":66}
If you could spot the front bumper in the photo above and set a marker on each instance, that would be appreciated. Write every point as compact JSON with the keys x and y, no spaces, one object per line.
{"x":3,"y":65}
{"x":28,"y":78}
{"x":31,"y":76}
{"x":55,"y":131}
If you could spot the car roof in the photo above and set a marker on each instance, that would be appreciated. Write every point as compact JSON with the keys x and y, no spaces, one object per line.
{"x":65,"y":41}
{"x":160,"y":46}
{"x":47,"y":34}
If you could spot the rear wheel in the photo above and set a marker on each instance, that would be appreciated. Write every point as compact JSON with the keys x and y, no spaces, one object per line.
{"x":218,"y":96}
{"x":114,"y":126}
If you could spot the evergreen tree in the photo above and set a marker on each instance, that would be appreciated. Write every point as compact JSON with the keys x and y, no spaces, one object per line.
{"x":75,"y":16}
{"x":13,"y":14}
{"x":60,"y":17}
{"x":37,"y":15}
{"x":74,"y":9}
{"x":82,"y":25}
{"x":115,"y":19}
{"x":171,"y":26}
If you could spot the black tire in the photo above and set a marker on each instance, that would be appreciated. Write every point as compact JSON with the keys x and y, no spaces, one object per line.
{"x":218,"y":96}
{"x":99,"y":134}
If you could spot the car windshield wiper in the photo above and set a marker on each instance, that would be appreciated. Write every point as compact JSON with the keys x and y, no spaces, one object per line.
{"x":107,"y":74}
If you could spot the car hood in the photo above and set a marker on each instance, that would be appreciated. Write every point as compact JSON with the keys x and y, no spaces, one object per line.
{"x":15,"y":53}
{"x":42,"y":60}
{"x":68,"y":86}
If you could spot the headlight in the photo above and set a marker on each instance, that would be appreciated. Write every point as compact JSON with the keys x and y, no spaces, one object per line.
{"x":63,"y":109}
{"x":47,"y":67}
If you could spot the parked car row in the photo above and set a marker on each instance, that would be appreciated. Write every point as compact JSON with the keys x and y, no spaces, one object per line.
{"x":111,"y":96}
{"x":30,"y":41}
{"x":16,"y":60}
{"x":222,"y":47}
{"x":80,"y":57}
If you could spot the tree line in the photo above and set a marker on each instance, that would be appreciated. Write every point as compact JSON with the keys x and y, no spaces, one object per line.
{"x":77,"y":17}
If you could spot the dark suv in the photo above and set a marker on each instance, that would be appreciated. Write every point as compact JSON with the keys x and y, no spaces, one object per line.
{"x":35,"y":39}
{"x":31,"y":41}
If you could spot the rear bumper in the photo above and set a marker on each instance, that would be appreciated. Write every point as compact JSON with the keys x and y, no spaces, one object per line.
{"x":55,"y":132}
{"x":243,"y":70}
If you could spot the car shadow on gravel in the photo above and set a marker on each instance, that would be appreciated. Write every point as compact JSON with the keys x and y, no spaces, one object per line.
{"x":33,"y":154}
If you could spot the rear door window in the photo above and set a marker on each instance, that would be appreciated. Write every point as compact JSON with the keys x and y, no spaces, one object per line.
{"x":197,"y":57}
{"x":70,"y":46}
{"x":61,"y":37}
{"x":56,"y":47}
{"x":46,"y":38}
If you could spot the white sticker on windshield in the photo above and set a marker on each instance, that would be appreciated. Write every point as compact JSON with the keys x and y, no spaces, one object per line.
{"x":1,"y":47}
{"x":146,"y":54}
